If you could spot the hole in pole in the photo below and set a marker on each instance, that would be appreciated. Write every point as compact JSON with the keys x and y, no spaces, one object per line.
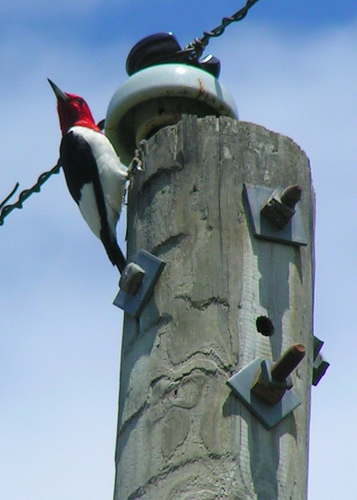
{"x":264,"y":326}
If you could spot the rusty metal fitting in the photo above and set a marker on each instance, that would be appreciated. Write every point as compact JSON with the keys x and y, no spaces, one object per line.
{"x":271,"y":382}
{"x":280,"y":207}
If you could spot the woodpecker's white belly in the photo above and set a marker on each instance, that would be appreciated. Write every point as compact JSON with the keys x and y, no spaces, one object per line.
{"x":112,"y":175}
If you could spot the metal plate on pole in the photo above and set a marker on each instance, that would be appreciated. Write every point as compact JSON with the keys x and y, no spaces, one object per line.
{"x":134,"y":304}
{"x":269,"y":415}
{"x":292,"y":234}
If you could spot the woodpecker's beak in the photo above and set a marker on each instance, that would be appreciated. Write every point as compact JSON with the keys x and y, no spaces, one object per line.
{"x":61,"y":96}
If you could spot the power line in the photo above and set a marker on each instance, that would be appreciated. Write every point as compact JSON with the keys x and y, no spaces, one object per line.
{"x":26,"y":193}
{"x":199,"y":44}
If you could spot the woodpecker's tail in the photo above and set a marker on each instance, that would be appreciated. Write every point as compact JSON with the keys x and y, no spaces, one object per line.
{"x":112,"y":248}
{"x":115,"y":255}
{"x":119,"y":259}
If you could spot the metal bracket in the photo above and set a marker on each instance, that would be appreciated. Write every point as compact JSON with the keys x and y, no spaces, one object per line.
{"x":320,"y":365}
{"x":137,"y":282}
{"x":259,"y":197}
{"x":269,"y":414}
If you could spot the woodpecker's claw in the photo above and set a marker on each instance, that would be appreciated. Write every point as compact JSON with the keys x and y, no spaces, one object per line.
{"x":101,"y":125}
{"x":137,"y":163}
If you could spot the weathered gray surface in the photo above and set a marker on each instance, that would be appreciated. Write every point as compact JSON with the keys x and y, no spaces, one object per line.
{"x":181,"y":433}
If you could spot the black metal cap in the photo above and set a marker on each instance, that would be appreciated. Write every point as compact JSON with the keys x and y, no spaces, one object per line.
{"x":162,"y":48}
{"x":152,"y":50}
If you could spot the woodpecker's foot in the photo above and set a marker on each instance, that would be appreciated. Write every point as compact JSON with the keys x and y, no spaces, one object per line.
{"x":137,"y":163}
{"x":101,"y":125}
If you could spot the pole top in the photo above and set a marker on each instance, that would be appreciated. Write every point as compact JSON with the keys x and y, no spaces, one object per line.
{"x":157,"y":94}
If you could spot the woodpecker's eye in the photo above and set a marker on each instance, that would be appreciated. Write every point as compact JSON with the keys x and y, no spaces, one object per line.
{"x":80,"y":101}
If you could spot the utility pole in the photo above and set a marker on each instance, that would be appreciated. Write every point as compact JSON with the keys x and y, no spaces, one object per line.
{"x":203,"y":412}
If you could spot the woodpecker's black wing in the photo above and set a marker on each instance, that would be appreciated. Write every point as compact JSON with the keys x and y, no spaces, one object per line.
{"x":83,"y":181}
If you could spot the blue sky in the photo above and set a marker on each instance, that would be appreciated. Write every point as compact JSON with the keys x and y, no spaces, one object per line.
{"x":292,"y":67}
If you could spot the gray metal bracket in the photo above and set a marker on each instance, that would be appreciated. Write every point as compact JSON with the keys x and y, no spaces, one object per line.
{"x":149,"y":268}
{"x":269,"y":415}
{"x":320,"y":365}
{"x":292,"y":234}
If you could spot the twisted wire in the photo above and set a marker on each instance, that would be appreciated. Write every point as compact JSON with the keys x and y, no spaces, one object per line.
{"x":199,"y":44}
{"x":26,"y":193}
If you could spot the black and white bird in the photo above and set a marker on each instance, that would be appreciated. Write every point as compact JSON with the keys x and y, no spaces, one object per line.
{"x":94,"y":174}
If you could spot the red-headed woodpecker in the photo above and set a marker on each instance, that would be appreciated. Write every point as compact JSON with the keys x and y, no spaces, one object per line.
{"x":94,"y":174}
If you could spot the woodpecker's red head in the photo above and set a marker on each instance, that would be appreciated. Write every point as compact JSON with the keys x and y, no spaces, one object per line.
{"x":72,"y":110}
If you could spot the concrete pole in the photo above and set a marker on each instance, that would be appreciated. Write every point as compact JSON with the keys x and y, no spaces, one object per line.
{"x":182,"y":433}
